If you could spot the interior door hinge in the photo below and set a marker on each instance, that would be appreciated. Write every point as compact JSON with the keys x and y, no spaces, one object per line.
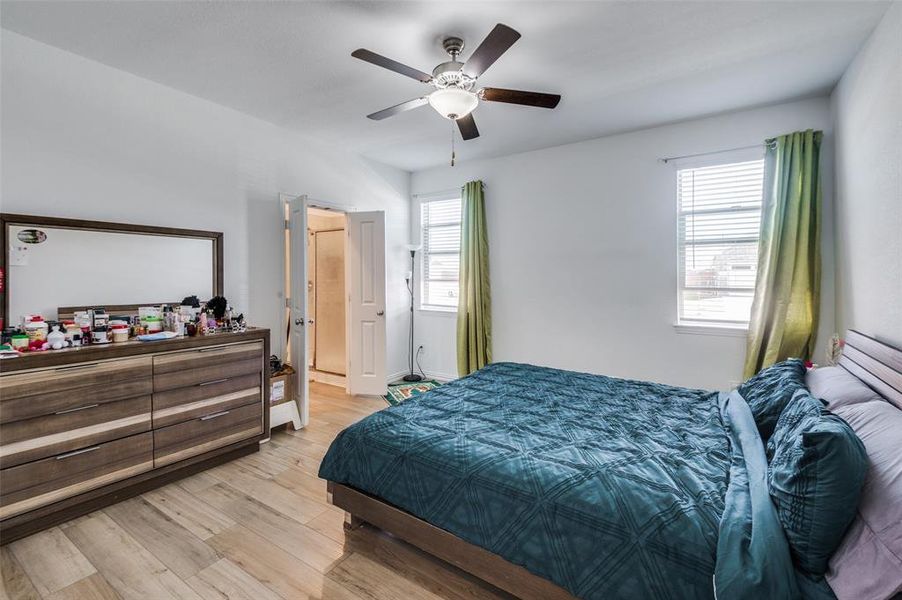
{"x":287,"y":225}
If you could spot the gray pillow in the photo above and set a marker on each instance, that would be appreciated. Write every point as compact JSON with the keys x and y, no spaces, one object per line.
{"x":868,"y":562}
{"x":837,"y":387}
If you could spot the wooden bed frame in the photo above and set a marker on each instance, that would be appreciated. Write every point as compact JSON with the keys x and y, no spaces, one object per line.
{"x":362,"y":508}
{"x":877,"y":364}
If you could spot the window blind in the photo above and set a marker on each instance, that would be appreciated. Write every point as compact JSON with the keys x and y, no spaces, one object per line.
{"x":719,"y":219}
{"x":440,"y":226}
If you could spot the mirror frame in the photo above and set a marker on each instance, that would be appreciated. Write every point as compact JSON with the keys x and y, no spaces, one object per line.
{"x":8,"y":219}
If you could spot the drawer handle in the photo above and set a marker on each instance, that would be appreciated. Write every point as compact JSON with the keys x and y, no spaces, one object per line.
{"x":214,"y":349}
{"x":72,"y":410}
{"x":215,"y":415}
{"x":213,"y":382}
{"x":77,"y":452}
{"x":74,"y":367}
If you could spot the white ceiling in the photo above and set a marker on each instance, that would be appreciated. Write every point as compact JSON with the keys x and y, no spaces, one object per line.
{"x":619,"y":65}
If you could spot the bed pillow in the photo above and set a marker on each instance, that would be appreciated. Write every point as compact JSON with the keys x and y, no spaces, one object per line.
{"x":816,"y":469}
{"x":837,"y":387}
{"x":768,"y":392}
{"x":868,"y":562}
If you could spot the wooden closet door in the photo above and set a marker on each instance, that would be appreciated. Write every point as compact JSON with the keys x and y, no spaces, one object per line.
{"x":330,"y":301}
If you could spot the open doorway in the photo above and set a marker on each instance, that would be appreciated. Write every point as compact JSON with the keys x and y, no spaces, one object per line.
{"x":342,"y":346}
{"x":326,"y":298}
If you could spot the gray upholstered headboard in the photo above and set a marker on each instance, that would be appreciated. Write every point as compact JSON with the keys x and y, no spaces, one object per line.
{"x":876,"y":363}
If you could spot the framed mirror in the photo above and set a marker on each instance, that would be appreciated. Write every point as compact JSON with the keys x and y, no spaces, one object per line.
{"x":51,"y":262}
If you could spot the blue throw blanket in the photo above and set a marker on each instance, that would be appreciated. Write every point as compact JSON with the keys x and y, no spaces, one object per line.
{"x":610,"y":488}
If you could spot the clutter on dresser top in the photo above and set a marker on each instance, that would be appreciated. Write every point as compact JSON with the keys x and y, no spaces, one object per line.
{"x":96,"y":327}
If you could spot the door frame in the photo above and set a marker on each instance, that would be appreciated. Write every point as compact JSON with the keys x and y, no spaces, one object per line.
{"x":285,"y":310}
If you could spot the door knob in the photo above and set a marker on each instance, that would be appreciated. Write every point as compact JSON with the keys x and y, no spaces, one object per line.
{"x":299,"y":322}
{"x":380,"y":313}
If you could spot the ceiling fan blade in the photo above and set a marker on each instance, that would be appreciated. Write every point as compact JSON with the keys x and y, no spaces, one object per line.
{"x":494,"y":45}
{"x":467,"y":127}
{"x":517,"y":97}
{"x":391,"y":65}
{"x":397,"y":108}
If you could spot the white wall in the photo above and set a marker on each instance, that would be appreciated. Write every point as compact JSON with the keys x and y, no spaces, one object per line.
{"x":867,"y":107}
{"x":582,"y":244}
{"x":83,"y":140}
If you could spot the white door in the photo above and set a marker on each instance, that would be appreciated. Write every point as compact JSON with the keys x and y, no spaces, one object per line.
{"x":365,"y":271}
{"x":297,"y":304}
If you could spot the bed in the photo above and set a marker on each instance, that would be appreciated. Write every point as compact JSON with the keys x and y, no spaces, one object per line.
{"x":554,"y":484}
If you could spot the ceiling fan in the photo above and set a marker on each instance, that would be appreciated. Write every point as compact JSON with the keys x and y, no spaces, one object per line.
{"x":455,"y":95}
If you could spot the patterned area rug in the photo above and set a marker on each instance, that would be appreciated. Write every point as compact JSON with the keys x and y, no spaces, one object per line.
{"x":399,"y":392}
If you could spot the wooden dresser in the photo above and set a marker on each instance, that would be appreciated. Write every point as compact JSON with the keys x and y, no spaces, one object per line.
{"x":84,"y":428}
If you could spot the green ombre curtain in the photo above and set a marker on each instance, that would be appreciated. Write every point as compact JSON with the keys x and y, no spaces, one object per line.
{"x":787,"y":290}
{"x":474,"y":305}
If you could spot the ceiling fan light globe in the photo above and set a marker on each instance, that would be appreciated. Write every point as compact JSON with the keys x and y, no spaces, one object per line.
{"x":453,"y":103}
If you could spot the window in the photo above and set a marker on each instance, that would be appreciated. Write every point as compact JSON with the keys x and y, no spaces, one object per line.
{"x":719,"y":217}
{"x":440,"y":226}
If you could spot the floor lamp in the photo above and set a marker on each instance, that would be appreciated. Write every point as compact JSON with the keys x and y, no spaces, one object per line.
{"x":412,"y":248}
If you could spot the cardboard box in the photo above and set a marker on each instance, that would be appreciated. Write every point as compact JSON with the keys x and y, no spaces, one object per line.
{"x":282,"y":386}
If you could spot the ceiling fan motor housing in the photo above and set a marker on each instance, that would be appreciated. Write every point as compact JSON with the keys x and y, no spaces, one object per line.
{"x":453,"y":45}
{"x":448,"y":74}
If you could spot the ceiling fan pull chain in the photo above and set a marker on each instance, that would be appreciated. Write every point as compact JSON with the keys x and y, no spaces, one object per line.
{"x":452,"y":141}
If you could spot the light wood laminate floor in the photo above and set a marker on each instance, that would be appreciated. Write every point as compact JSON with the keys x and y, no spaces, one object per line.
{"x":257,"y":528}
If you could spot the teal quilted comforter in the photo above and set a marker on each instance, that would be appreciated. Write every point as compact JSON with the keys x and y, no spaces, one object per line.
{"x":610,"y":488}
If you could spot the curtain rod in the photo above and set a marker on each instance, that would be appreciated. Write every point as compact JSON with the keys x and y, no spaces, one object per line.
{"x":455,"y":190}
{"x":667,"y":159}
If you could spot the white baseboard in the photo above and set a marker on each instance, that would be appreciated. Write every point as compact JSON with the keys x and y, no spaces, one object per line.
{"x":440,"y":377}
{"x":395,"y":376}
{"x":327,"y":378}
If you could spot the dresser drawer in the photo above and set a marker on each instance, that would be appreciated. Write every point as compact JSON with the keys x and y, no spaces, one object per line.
{"x":17,"y":409}
{"x":34,"y":484}
{"x":205,"y":376}
{"x":212,"y":430}
{"x":246,"y":394}
{"x":73,"y":428}
{"x":206,"y":389}
{"x":94,"y":375}
{"x":207,"y":357}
